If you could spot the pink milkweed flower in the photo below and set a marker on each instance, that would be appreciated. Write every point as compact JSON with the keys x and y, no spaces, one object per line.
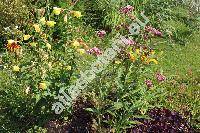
{"x":101,"y":33}
{"x":153,"y":31}
{"x":129,"y":42}
{"x":145,"y":37}
{"x":160,"y":77}
{"x":95,"y":51}
{"x":127,"y":9}
{"x":149,"y":83}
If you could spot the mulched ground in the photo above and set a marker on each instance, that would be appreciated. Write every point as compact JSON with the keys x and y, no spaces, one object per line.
{"x":162,"y":121}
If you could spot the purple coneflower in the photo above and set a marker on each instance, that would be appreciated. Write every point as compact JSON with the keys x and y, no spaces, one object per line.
{"x":127,"y":9}
{"x":153,"y":31}
{"x":160,"y":77}
{"x":145,"y":37}
{"x":95,"y":51}
{"x":101,"y":33}
{"x":149,"y":83}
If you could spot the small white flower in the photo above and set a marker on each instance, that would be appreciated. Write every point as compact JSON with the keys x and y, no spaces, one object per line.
{"x":27,"y":90}
{"x":7,"y":28}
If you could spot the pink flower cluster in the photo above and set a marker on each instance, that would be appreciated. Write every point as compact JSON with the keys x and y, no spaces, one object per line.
{"x":160,"y":77}
{"x":153,"y":31}
{"x":149,"y":83}
{"x":129,"y":42}
{"x":95,"y":51}
{"x":101,"y":33}
{"x":127,"y":9}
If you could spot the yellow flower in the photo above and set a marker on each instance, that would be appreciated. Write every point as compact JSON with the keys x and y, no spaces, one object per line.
{"x":81,"y":51}
{"x":33,"y":44}
{"x":56,"y":10}
{"x":75,"y":43}
{"x":117,"y":62}
{"x":16,"y":68}
{"x":42,"y":85}
{"x":77,"y":14}
{"x":137,"y":51}
{"x":152,"y":60}
{"x":69,"y":68}
{"x":65,"y":18}
{"x":132,"y":57}
{"x":37,"y":27}
{"x":48,"y":45}
{"x":44,"y":36}
{"x":26,"y":37}
{"x":10,"y":41}
{"x":43,"y":21}
{"x":152,"y":52}
{"x":144,"y":58}
{"x":51,"y":23}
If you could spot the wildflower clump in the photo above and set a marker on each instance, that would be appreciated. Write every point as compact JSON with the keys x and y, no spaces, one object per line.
{"x":142,"y":53}
{"x":12,"y":46}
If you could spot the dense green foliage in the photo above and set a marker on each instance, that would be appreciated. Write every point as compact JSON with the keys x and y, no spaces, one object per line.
{"x":49,"y":50}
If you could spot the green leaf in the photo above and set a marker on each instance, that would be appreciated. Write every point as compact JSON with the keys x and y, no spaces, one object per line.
{"x":112,"y":113}
{"x":62,"y":4}
{"x":133,"y":122}
{"x":90,"y":110}
{"x":118,"y":105}
{"x":37,"y":97}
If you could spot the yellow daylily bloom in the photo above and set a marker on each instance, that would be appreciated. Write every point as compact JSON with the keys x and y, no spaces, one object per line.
{"x":75,"y":43}
{"x":77,"y":14}
{"x":69,"y":68}
{"x":137,"y":51}
{"x":10,"y":41}
{"x":42,"y":85}
{"x":33,"y":44}
{"x":144,"y":58}
{"x":50,"y":23}
{"x":26,"y":37}
{"x":43,"y":21}
{"x":117,"y":62}
{"x":48,"y":45}
{"x":81,"y":51}
{"x":152,"y":52}
{"x":152,"y":60}
{"x":57,"y":10}
{"x":132,"y":57}
{"x":16,"y":68}
{"x":37,"y":27}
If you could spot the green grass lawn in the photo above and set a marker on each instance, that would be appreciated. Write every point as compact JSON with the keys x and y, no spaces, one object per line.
{"x":181,"y":66}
